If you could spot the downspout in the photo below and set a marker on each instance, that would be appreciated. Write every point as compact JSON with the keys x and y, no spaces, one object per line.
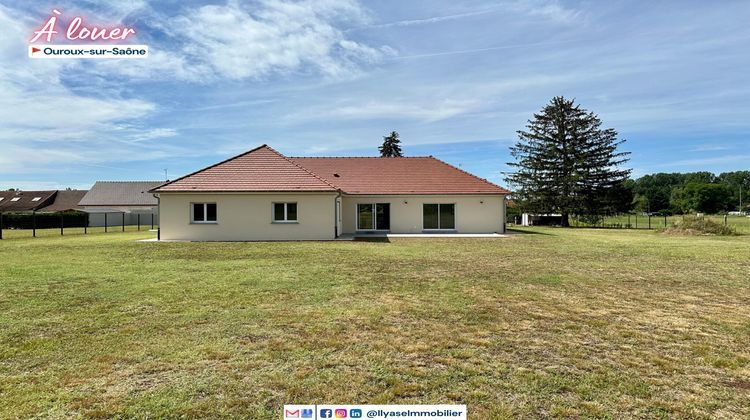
{"x":505,"y":213}
{"x":336,"y":214}
{"x":158,"y":211}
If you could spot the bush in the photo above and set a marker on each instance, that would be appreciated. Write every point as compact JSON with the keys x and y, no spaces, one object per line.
{"x":699,"y":226}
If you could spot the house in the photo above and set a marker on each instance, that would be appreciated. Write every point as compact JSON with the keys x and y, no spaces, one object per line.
{"x":25,"y":201}
{"x":264,"y":195}
{"x":65,"y":200}
{"x":123,"y":201}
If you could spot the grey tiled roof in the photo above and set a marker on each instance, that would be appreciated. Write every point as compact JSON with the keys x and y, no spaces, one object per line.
{"x":65,"y":200}
{"x":121,"y":193}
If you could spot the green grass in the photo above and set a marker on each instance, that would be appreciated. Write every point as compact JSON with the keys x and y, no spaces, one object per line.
{"x":40,"y":233}
{"x":548,"y":323}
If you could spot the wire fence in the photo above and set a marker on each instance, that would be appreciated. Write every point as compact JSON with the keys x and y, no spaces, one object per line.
{"x":645,"y":221}
{"x":34,"y":225}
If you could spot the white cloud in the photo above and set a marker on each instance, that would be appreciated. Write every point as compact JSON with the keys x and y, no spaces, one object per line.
{"x":718,"y":160}
{"x":235,"y":42}
{"x":709,"y":148}
{"x":45,"y":123}
{"x":401,"y":109}
{"x":434,"y":19}
{"x":548,"y":9}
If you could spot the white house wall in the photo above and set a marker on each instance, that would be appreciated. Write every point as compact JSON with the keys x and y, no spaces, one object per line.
{"x":248,"y":217}
{"x":474,"y":213}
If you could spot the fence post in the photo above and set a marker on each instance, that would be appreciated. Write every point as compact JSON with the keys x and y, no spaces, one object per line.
{"x":636,"y":220}
{"x":152,"y":221}
{"x":1,"y":225}
{"x":649,"y":221}
{"x":33,"y":224}
{"x":62,"y":223}
{"x":665,"y":220}
{"x":86,"y":224}
{"x":105,"y":222}
{"x":725,"y":219}
{"x":123,"y":221}
{"x":629,"y":225}
{"x":139,"y":222}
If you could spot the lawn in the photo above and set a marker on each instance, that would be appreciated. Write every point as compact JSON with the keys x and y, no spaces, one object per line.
{"x":548,"y":322}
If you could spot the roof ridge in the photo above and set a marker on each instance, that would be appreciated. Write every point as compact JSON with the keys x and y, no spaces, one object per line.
{"x":470,"y":174}
{"x":359,"y":157}
{"x":208,"y":167}
{"x":301,"y":167}
{"x":126,"y":182}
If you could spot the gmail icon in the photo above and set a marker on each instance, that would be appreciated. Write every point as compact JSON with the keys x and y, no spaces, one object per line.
{"x":299,"y":412}
{"x":291,"y":413}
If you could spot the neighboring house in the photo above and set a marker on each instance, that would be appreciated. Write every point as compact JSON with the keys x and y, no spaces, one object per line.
{"x":65,"y":200}
{"x":264,"y":195}
{"x":24,"y":201}
{"x":126,"y":201}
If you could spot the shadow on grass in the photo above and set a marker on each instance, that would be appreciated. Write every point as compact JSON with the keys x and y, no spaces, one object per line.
{"x":381,"y":239}
{"x":527,"y":232}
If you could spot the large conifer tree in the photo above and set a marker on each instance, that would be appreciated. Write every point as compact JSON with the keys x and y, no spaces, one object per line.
{"x":566,"y":163}
{"x":391,"y":146}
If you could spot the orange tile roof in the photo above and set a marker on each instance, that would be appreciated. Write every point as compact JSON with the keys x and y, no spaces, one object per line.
{"x":397,"y":175}
{"x":260,"y":169}
{"x":265,"y":169}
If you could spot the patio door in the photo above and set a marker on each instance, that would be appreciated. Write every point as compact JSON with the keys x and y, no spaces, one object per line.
{"x":374,"y":216}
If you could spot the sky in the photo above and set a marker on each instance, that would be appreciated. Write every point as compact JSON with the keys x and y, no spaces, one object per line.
{"x":456,"y":79}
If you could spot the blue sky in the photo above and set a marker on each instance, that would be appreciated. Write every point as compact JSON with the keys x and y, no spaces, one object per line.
{"x":455,"y":78}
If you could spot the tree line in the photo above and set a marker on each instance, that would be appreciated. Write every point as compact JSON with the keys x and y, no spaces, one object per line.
{"x":681,"y":193}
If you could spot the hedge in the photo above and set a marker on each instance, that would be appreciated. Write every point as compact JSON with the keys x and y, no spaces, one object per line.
{"x":43,"y":220}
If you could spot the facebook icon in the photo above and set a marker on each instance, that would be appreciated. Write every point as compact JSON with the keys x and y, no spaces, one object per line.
{"x":326,"y":413}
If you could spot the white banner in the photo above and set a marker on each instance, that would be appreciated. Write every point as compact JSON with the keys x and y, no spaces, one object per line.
{"x":378,"y":412}
{"x":88,"y":51}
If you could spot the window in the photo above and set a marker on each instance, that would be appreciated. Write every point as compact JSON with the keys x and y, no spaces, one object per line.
{"x":204,"y":213}
{"x":284,"y":212}
{"x":2,"y":198}
{"x":36,"y":198}
{"x":15,"y":198}
{"x":439,"y":216}
{"x":374,"y":216}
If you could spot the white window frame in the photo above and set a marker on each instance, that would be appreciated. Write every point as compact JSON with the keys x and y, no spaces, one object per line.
{"x":286,"y":212}
{"x":15,"y":198}
{"x":2,"y":198}
{"x":439,"y":229}
{"x":205,"y":214}
{"x":36,"y":198}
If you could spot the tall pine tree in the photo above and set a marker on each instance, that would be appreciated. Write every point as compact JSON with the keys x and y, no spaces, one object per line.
{"x":566,"y":163}
{"x":391,"y":146}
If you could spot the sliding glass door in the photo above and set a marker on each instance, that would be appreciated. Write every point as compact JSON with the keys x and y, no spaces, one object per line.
{"x":439,"y":216}
{"x":374,"y":216}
